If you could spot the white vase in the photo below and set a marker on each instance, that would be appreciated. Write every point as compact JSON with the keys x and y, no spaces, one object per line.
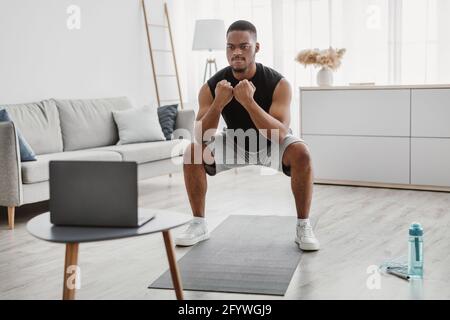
{"x":324,"y":77}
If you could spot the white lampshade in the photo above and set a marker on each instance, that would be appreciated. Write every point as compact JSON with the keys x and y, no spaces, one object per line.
{"x":209,"y":35}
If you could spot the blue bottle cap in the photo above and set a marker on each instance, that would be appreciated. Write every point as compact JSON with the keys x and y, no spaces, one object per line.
{"x":415,"y":229}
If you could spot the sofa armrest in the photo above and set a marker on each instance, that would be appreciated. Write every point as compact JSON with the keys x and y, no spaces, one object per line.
{"x":10,"y":168}
{"x":184,"y":126}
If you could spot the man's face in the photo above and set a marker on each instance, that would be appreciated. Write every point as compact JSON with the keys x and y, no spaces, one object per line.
{"x":241,"y":50}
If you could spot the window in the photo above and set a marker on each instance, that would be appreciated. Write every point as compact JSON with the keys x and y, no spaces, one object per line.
{"x":387,"y":41}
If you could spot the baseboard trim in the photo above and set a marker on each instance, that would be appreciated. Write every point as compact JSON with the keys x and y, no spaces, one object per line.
{"x":382,"y":185}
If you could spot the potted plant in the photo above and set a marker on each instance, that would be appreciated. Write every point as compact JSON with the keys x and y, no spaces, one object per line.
{"x":329,"y":59}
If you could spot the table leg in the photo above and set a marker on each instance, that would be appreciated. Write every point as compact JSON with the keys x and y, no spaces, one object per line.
{"x":71,"y":260}
{"x":176,"y":279}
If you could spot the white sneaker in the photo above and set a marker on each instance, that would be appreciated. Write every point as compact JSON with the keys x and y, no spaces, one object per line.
{"x":195,"y":232}
{"x":306,"y":239}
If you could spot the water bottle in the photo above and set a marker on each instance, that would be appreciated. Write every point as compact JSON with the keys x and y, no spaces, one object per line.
{"x":415,"y":254}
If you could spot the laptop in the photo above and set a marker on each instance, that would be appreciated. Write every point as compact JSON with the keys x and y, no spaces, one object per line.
{"x":95,"y":194}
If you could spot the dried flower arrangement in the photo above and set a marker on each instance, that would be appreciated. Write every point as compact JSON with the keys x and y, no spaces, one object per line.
{"x":330,"y":58}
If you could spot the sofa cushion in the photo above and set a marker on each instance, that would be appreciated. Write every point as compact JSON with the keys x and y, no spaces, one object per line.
{"x":37,"y":171}
{"x":149,"y":151}
{"x":89,"y":123}
{"x":39,"y":124}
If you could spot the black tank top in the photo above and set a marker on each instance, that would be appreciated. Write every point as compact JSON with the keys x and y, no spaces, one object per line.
{"x":236,"y":117}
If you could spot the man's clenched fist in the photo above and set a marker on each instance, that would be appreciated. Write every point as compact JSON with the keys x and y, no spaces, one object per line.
{"x":244,"y":91}
{"x":224,"y":93}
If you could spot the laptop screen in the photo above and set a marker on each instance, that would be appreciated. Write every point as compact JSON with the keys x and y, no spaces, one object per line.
{"x":103,"y":193}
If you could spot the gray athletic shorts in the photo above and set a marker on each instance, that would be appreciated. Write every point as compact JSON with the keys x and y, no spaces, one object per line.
{"x":228,"y":155}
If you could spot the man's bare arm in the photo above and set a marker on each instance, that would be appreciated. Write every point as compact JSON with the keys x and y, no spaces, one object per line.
{"x":278,"y":118}
{"x":210,"y":108}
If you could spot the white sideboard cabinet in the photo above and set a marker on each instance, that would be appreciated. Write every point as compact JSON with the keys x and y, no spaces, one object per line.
{"x":391,"y":136}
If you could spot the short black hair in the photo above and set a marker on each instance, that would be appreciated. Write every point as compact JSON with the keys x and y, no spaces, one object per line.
{"x":242,"y":25}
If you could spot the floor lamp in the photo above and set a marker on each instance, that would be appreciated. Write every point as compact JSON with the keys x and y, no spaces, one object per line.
{"x":209,"y":35}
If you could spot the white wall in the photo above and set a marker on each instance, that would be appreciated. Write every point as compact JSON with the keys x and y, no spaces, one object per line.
{"x":41,"y":58}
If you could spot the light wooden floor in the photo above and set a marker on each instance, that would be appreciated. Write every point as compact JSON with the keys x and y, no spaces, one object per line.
{"x":357,"y":227}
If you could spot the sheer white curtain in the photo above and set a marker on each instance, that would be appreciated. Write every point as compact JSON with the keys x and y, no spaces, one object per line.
{"x":425,"y":41}
{"x":387,"y":41}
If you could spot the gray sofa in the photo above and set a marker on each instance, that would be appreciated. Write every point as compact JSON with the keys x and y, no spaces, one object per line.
{"x":76,"y":130}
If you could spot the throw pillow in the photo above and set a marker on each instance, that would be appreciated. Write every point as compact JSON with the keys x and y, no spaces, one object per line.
{"x":26,"y":152}
{"x":138,"y":125}
{"x":167,"y":117}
